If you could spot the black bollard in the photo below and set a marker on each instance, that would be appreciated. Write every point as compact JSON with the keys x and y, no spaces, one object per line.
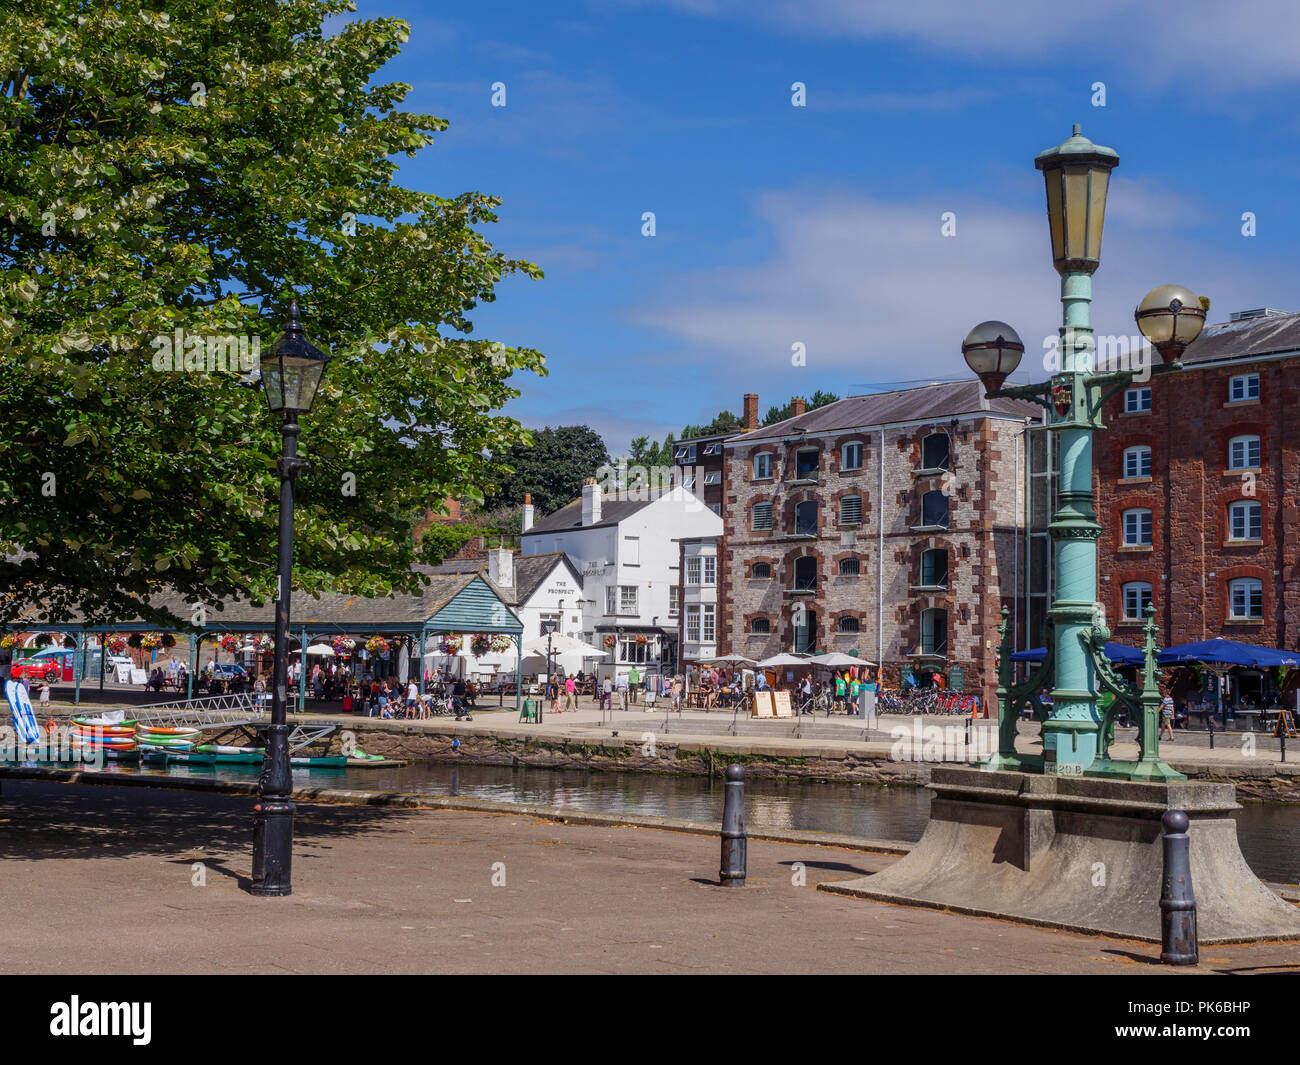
{"x":1209,"y":724}
{"x":732,"y":873}
{"x":1177,"y":901}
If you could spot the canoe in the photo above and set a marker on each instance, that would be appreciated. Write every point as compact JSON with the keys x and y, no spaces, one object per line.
{"x":226,"y":748}
{"x":335,"y":762}
{"x":99,"y":722}
{"x":236,"y":759}
{"x":149,"y":730}
{"x":168,"y":757}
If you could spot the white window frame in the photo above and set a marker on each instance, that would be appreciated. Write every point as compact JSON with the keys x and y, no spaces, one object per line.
{"x":628,"y":604}
{"x":712,"y":449}
{"x":768,"y":464}
{"x":1138,"y":512}
{"x":611,"y":599}
{"x":674,"y":600}
{"x":631,"y":550}
{"x":684,"y":453}
{"x":1137,"y":587}
{"x":1245,"y":383}
{"x":693,"y":569}
{"x":692,"y":622}
{"x":1245,"y":586}
{"x":713,"y":477}
{"x":1247,"y":508}
{"x":1137,"y":400}
{"x":710,"y":575}
{"x":844,"y":455}
{"x":708,"y":623}
{"x":1244,"y":440}
{"x":1138,"y":451}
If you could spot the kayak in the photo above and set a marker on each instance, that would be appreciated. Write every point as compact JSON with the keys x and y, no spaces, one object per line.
{"x":225,"y":754}
{"x":150,"y":730}
{"x":357,"y":752}
{"x":104,"y":722}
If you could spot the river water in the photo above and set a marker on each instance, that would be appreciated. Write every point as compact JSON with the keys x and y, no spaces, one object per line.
{"x":1269,"y":833}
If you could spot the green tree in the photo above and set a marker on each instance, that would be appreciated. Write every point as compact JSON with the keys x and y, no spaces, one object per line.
{"x":190,"y":165}
{"x":725,"y":422}
{"x":552,"y":468}
{"x":780,"y":414}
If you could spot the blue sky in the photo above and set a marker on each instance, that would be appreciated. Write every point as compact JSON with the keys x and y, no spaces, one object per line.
{"x":820,"y":225}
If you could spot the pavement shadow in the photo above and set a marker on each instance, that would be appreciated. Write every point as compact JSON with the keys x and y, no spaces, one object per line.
{"x":41,"y":821}
{"x":833,"y":867}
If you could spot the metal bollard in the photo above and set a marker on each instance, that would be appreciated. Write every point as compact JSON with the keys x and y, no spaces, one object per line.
{"x":1177,"y":900}
{"x":732,"y":873}
{"x":1281,"y":736}
{"x":1209,"y":724}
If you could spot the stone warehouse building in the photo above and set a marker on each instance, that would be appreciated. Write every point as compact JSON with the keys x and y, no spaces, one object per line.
{"x":887,"y":524}
{"x":1197,"y":481}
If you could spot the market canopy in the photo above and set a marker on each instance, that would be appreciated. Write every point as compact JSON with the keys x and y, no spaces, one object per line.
{"x":1119,"y":653}
{"x":1221,"y":652}
{"x":782,"y":660}
{"x":730,"y":660}
{"x":839,"y":660}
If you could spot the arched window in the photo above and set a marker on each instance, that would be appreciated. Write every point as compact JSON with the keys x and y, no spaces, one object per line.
{"x":1243,"y":453}
{"x":762,"y":571}
{"x":1137,"y":461}
{"x":934,"y":509}
{"x":1246,"y":521}
{"x":760,"y":626}
{"x":934,"y":568}
{"x":849,"y":567}
{"x":1246,"y":599}
{"x":805,"y":518}
{"x":935,"y":452}
{"x":805,"y":574}
{"x":1137,"y":596}
{"x":848,"y":624}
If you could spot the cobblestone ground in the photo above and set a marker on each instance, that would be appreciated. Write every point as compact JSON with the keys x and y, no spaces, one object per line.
{"x":107,"y":880}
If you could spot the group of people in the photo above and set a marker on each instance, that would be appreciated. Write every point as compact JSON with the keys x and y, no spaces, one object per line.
{"x":388,"y":698}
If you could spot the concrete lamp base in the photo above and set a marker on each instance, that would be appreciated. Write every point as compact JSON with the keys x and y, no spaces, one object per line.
{"x":1077,"y":853}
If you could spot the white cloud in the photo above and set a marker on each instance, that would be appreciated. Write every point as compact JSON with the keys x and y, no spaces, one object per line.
{"x":878,"y":295}
{"x":1244,"y":45}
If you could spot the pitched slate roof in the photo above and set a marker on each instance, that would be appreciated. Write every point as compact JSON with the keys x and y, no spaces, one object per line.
{"x":947,"y":399}
{"x":1271,"y":334}
{"x":342,"y":613}
{"x":569,"y":516}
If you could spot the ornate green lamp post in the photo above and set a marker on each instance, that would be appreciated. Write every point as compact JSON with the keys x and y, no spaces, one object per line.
{"x":1075,"y":737}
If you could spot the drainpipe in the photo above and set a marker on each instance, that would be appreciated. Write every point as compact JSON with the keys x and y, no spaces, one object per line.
{"x":880,"y":565}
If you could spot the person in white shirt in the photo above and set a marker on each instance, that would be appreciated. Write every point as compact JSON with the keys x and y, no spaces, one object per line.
{"x":412,"y":697}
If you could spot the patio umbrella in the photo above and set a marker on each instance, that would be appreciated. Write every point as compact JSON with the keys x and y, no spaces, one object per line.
{"x":321,"y":649}
{"x":1223,"y":652}
{"x":731,"y":660}
{"x":839,"y":660}
{"x":784,"y":659}
{"x":561,"y":644}
{"x":1119,"y":653}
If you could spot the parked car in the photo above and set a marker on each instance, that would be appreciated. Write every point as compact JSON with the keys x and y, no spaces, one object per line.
{"x":229,"y":671}
{"x":51,"y":665}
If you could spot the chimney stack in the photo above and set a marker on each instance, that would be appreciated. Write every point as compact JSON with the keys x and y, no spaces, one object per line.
{"x":591,"y":502}
{"x":501,"y":567}
{"x":528,"y":511}
{"x":797,"y":407}
{"x":750,"y":422}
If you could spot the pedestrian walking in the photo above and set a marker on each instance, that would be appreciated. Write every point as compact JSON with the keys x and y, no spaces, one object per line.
{"x":570,"y":694}
{"x":607,"y":694}
{"x":1166,"y":717}
{"x":633,"y":683}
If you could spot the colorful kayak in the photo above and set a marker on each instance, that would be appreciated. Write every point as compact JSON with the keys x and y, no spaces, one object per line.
{"x":225,"y":754}
{"x":162,"y":733}
{"x":333,"y":762}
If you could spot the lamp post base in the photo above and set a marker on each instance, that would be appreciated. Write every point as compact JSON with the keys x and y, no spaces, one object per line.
{"x":1119,"y":770}
{"x":1014,"y":763}
{"x":272,"y":848}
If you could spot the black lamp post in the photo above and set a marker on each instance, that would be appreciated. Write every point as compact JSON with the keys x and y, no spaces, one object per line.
{"x":291,"y":372}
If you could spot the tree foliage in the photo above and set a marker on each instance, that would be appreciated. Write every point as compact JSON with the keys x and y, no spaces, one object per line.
{"x":190,"y":164}
{"x":780,"y":414}
{"x":552,"y":468}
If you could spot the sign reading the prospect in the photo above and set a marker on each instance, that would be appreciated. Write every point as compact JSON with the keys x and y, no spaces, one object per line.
{"x":762,"y":704}
{"x":783,"y":708}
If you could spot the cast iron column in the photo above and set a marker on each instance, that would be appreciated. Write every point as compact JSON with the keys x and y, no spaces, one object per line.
{"x":273,"y":815}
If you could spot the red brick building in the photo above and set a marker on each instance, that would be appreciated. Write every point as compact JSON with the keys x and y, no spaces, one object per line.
{"x":1197,"y":478}
{"x":889,"y":525}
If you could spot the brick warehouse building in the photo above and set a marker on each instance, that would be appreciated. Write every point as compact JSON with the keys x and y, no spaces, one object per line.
{"x":934,"y":554}
{"x":1197,"y":480}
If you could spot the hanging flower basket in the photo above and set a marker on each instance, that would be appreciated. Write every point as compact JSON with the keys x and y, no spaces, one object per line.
{"x":480,"y":643}
{"x":344,"y":646}
{"x":265,"y":644}
{"x":376,"y":645}
{"x":8,"y":640}
{"x":611,"y":642}
{"x":501,"y":642}
{"x":450,"y":645}
{"x":642,"y":639}
{"x":229,"y":642}
{"x":150,"y":640}
{"x":115,"y":644}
